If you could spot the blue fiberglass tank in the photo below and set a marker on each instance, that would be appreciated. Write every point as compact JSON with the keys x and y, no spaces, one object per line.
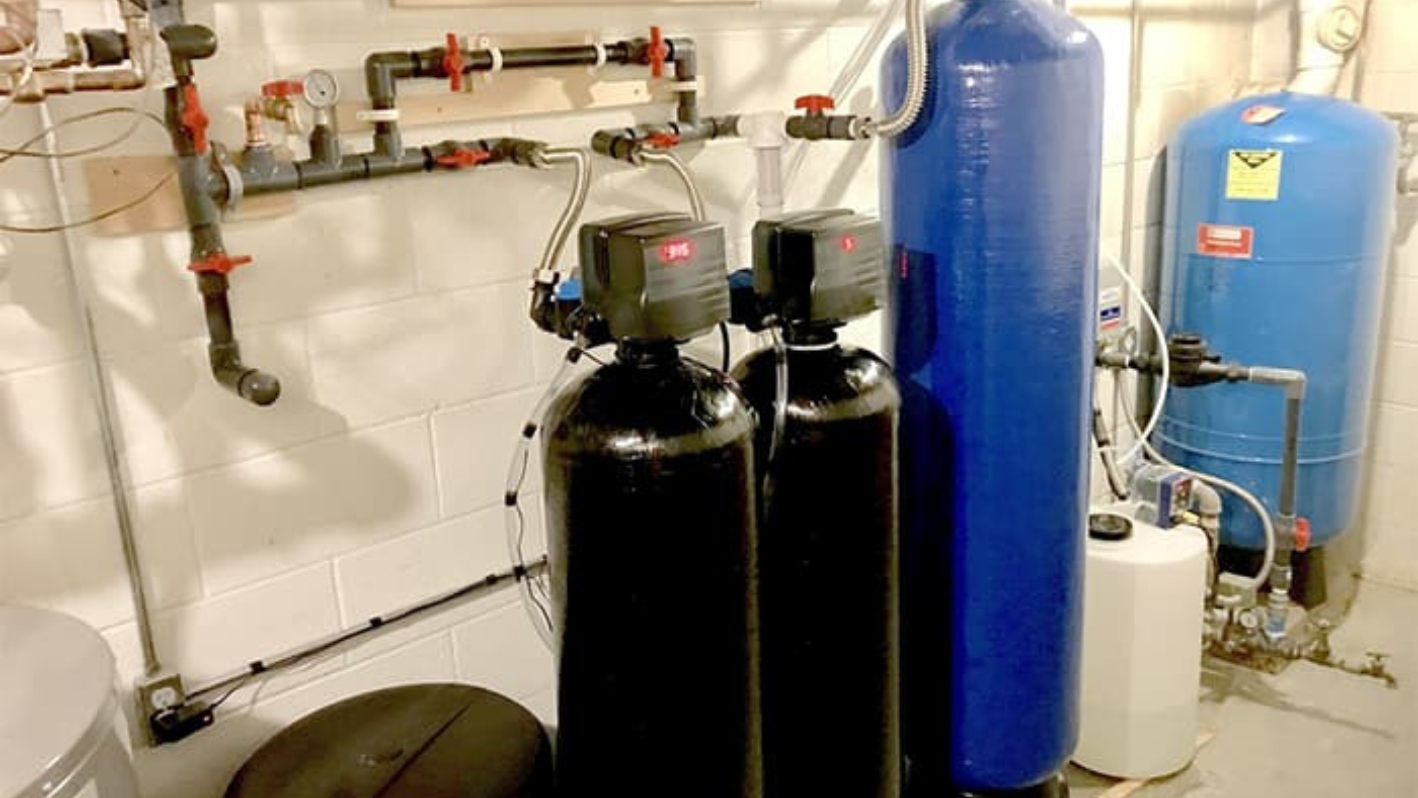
{"x":1279,"y":214}
{"x":992,"y":200}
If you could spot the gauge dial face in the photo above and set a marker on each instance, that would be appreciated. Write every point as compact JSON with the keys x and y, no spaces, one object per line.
{"x":321,"y":89}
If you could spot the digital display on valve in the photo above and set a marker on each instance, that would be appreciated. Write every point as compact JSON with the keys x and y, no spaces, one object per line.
{"x":676,"y":251}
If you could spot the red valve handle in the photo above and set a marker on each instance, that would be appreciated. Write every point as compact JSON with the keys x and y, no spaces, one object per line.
{"x":463,"y":159}
{"x":453,"y":63}
{"x":658,"y":52}
{"x":815,"y":104}
{"x":218,"y":263}
{"x":1302,"y":534}
{"x":283,"y":88}
{"x":194,"y":120}
{"x":662,"y":141}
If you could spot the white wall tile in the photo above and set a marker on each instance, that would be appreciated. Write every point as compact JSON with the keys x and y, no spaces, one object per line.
{"x":71,"y":559}
{"x":420,"y":565}
{"x":176,"y":418}
{"x":408,"y":357}
{"x":347,"y":247}
{"x":1391,"y":35}
{"x":501,"y":651}
{"x":1391,"y":534}
{"x":1395,"y":431}
{"x":38,"y":322}
{"x":304,"y":505}
{"x":1398,"y":377}
{"x":1403,"y":309}
{"x":208,"y":638}
{"x":49,"y":444}
{"x":474,"y":446}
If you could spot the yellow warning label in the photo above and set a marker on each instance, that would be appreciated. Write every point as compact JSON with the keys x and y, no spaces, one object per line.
{"x":1254,"y":174}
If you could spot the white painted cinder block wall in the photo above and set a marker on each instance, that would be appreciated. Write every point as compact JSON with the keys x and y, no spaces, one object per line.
{"x":1383,"y":76}
{"x":394,"y":315}
{"x":1387,"y":80}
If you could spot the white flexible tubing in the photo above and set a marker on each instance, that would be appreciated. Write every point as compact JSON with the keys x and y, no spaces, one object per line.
{"x":1251,"y":582}
{"x":1160,"y":405}
{"x":17,"y":82}
{"x":917,"y":76}
{"x":514,"y":523}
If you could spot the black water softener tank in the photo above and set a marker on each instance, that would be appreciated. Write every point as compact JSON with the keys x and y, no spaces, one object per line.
{"x":651,"y":531}
{"x":828,"y":558}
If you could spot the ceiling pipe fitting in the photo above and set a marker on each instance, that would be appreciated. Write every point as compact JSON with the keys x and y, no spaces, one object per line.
{"x":1329,"y":32}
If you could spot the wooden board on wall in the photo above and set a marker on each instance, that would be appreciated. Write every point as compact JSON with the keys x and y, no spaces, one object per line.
{"x":511,"y":93}
{"x":515,"y":3}
{"x":115,"y":181}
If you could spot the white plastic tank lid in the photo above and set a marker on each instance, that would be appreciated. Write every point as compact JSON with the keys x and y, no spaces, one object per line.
{"x":56,"y":698}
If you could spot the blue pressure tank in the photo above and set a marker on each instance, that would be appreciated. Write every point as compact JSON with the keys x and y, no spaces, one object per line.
{"x":1279,"y":214}
{"x":992,"y":201}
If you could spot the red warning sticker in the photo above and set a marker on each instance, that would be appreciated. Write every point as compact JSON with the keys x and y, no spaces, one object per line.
{"x":1226,"y":241}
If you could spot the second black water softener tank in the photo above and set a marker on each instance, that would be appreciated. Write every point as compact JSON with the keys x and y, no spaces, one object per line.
{"x":828,"y":551}
{"x":651,"y":532}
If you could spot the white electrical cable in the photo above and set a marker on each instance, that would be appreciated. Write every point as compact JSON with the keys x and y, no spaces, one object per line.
{"x":1161,"y":403}
{"x":535,"y":595}
{"x":1267,"y":525}
{"x":26,"y":73}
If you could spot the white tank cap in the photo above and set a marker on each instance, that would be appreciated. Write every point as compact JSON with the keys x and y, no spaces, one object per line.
{"x":56,"y":698}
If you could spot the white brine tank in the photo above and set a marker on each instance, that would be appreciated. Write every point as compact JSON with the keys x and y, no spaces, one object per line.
{"x":61,"y":735}
{"x":1142,"y":634}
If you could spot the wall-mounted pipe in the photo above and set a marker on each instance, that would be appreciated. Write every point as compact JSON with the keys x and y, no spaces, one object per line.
{"x":629,"y":144}
{"x":1329,"y":32}
{"x":383,"y":71}
{"x":100,"y":60}
{"x":211,"y":183}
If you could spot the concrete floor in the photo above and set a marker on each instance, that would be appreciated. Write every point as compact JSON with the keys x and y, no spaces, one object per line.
{"x":1309,"y":732}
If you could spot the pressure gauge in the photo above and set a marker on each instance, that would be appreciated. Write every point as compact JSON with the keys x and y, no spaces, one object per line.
{"x":322,"y":91}
{"x":1250,"y":620}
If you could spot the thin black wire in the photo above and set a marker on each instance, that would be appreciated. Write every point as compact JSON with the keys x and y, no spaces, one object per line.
{"x":246,"y":680}
{"x":728,"y":347}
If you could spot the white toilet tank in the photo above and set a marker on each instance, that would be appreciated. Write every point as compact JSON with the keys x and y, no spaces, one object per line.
{"x":1142,"y":639}
{"x":61,"y":735}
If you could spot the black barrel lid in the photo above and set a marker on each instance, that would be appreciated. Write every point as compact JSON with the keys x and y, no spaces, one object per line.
{"x":1110,"y":527}
{"x":416,"y":741}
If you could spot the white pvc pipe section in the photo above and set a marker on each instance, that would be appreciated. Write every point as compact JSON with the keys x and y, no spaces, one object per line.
{"x":1317,"y":66}
{"x":769,"y":163}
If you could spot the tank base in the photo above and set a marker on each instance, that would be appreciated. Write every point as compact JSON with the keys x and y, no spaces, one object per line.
{"x":1057,"y":787}
{"x":1308,"y":587}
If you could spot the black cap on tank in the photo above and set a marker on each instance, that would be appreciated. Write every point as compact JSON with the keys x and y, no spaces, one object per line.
{"x":819,"y":268}
{"x":655,"y":276}
{"x":1110,"y":527}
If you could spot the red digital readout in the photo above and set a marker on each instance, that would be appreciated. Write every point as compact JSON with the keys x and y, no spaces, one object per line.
{"x":849,"y":244}
{"x":677,"y":251}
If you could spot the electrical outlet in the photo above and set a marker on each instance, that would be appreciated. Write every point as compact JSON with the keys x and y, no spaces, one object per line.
{"x":159,"y":692}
